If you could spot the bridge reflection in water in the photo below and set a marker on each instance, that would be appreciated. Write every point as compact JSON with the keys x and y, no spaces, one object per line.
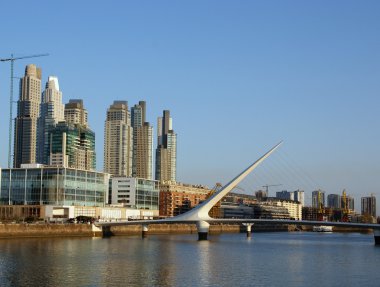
{"x":200,"y":214}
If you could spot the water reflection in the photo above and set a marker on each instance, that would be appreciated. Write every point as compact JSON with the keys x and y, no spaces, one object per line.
{"x":268,"y":259}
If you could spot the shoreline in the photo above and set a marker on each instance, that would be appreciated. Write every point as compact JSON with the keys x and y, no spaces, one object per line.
{"x":26,"y":230}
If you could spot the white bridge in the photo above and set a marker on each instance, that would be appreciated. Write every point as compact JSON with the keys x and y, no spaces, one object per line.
{"x":200,"y":214}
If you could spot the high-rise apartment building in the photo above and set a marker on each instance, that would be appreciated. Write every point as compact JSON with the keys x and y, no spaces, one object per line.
{"x":72,"y":142}
{"x":52,"y":112}
{"x":142,"y":164}
{"x":299,"y":195}
{"x":75,"y":113}
{"x":166,"y":152}
{"x":73,"y":146}
{"x":118,"y":140}
{"x":369,"y":205}
{"x":28,"y":111}
{"x":284,"y":194}
{"x":318,"y":198}
{"x":334,"y":201}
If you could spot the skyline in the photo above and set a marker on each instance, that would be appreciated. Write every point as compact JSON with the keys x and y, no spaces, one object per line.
{"x":239,"y":77}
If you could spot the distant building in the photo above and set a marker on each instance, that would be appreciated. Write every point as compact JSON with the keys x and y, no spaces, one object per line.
{"x":73,"y":146}
{"x":310,"y":213}
{"x":294,"y":207}
{"x":53,"y":186}
{"x":72,"y":142}
{"x":136,"y":193}
{"x":369,"y":205}
{"x":236,"y":210}
{"x":75,"y":113}
{"x":177,"y":198}
{"x":118,"y":140}
{"x":238,"y":198}
{"x":285,"y":195}
{"x":166,"y":152}
{"x":299,"y":195}
{"x":334,"y":201}
{"x":267,"y":211}
{"x":261,"y":195}
{"x":318,"y":198}
{"x":52,"y":112}
{"x":350,"y":203}
{"x":142,"y":165}
{"x":28,"y":112}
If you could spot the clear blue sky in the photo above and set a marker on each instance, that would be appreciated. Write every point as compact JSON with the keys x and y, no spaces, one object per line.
{"x":237,"y":76}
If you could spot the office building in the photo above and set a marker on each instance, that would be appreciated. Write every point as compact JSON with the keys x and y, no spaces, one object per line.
{"x":142,"y":163}
{"x":369,"y":205}
{"x":334,"y":201}
{"x":28,"y":112}
{"x":52,"y":112}
{"x":166,"y":152}
{"x":118,"y":140}
{"x":33,"y":185}
{"x":136,"y":193}
{"x":72,"y":145}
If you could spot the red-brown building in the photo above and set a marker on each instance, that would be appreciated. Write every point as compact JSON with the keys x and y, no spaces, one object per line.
{"x":177,"y":198}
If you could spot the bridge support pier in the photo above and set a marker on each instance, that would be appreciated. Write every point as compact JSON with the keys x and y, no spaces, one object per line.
{"x":249,"y":228}
{"x":144,"y":232}
{"x":106,"y":231}
{"x":203,"y":227}
{"x":376,"y":234}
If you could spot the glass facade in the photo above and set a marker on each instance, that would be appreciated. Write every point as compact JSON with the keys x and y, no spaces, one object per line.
{"x":53,"y":186}
{"x":80,"y":144}
{"x":147,"y":192}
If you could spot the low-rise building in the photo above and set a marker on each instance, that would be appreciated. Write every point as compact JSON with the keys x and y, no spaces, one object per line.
{"x":57,"y":186}
{"x":177,"y":198}
{"x":135,"y":193}
{"x":236,"y":210}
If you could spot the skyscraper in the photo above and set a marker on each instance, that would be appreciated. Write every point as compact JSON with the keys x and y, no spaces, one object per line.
{"x":284,"y":194}
{"x":72,"y":142}
{"x":318,"y":198}
{"x":142,"y":143}
{"x":28,"y":111}
{"x":369,"y":205}
{"x":334,"y":201}
{"x":75,"y":113}
{"x":52,"y":112}
{"x":118,"y":140}
{"x":166,"y":152}
{"x":299,"y":195}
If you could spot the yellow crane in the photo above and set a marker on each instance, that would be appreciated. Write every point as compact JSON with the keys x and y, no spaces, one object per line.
{"x":345,"y":206}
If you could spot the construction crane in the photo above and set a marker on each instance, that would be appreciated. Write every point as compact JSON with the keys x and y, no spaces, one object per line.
{"x":12,"y":59}
{"x":269,"y":185}
{"x":321,"y":208}
{"x":345,"y":206}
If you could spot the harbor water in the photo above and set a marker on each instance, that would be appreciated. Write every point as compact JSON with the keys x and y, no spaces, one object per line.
{"x":266,"y":259}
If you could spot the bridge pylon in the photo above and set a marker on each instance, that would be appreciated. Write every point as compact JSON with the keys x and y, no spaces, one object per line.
{"x":376,"y":234}
{"x":248,"y":228}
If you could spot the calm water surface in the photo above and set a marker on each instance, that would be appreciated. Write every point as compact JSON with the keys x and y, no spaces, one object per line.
{"x":268,"y":259}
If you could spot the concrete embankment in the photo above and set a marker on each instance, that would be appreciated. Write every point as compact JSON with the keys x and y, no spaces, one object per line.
{"x":44,"y":230}
{"x":87,"y":230}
